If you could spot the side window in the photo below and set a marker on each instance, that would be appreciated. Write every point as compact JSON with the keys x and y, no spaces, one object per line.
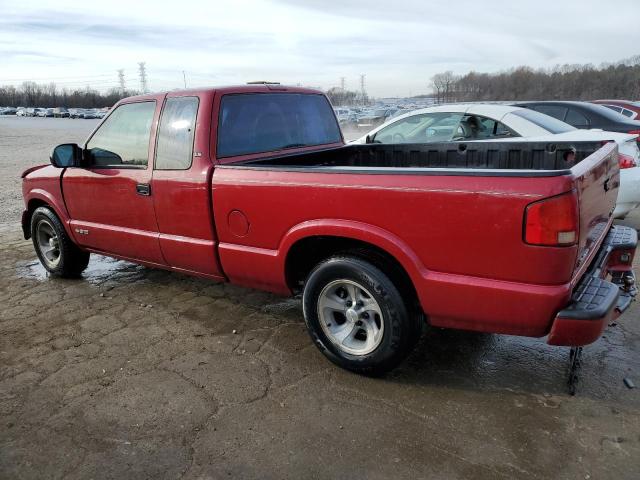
{"x":615,"y":108}
{"x":475,"y":127}
{"x":628,"y":113}
{"x":123,"y":139}
{"x":175,"y":134}
{"x":424,"y":128}
{"x":576,"y":119}
{"x":554,"y":111}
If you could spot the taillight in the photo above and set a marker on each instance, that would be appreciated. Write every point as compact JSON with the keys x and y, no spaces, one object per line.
{"x":626,"y":161}
{"x":635,"y":132}
{"x":552,"y":221}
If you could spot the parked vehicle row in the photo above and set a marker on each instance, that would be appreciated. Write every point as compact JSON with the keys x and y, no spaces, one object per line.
{"x":367,"y":118}
{"x":58,"y":112}
{"x":370,"y":248}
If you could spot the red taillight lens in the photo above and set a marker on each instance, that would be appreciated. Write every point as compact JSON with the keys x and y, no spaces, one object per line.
{"x":552,"y":221}
{"x":626,"y":161}
{"x":635,"y":132}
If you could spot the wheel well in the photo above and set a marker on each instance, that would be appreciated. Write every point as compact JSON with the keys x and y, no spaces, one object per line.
{"x":31,"y":207}
{"x":305,"y":254}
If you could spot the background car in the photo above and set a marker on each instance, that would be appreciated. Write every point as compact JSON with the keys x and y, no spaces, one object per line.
{"x":76,"y":113}
{"x":44,"y":112}
{"x":625,"y":107}
{"x":487,"y":122}
{"x":585,"y":115}
{"x":375,"y":117}
{"x":21,"y":112}
{"x":345,"y":116}
{"x":60,"y":112}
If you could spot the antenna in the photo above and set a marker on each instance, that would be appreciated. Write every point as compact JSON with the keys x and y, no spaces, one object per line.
{"x":143,"y":77}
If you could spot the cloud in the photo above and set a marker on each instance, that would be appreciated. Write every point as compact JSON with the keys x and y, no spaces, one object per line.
{"x":398,"y":45}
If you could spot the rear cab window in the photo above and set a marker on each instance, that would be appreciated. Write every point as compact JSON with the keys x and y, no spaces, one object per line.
{"x":251,"y":123}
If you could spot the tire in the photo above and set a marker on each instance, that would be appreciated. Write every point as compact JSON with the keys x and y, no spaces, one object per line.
{"x":370,"y":337}
{"x":56,"y":251}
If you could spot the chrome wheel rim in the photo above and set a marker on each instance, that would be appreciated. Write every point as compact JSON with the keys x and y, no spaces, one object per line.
{"x":48,"y":243}
{"x":350,"y":317}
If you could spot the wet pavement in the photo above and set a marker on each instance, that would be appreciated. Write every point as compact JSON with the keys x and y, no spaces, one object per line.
{"x":131,"y":372}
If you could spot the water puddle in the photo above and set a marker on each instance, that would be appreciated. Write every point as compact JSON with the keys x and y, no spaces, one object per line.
{"x":98,"y":271}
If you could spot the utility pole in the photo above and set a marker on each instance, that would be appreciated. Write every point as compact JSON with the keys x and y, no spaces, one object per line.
{"x":184,"y":78}
{"x":142,"y":69}
{"x":123,"y":86}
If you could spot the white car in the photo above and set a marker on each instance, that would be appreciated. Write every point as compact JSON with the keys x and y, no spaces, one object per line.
{"x":488,"y":122}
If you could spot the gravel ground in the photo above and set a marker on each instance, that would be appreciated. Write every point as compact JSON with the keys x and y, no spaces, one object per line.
{"x":135,"y":373}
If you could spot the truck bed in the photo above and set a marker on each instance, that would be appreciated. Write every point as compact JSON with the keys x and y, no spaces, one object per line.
{"x":475,"y":158}
{"x":452,"y":214}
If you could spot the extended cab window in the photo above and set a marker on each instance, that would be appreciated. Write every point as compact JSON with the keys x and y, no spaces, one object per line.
{"x":265,"y":122}
{"x":176,"y":132}
{"x":123,"y":139}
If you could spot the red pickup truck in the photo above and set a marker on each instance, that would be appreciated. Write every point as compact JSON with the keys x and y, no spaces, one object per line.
{"x":254,"y":185}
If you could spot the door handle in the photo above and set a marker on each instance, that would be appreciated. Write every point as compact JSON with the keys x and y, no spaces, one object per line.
{"x":143,"y":189}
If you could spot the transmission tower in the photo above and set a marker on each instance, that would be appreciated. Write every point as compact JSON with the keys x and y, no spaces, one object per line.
{"x":363,"y":92}
{"x":123,"y":86}
{"x":142,"y":70}
{"x":342,"y":83}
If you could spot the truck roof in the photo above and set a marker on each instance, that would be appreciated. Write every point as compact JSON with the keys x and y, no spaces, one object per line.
{"x":225,"y":89}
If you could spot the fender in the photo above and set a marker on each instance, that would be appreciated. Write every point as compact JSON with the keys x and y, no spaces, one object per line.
{"x":57,"y":205}
{"x":365,"y":232}
{"x":263,"y":268}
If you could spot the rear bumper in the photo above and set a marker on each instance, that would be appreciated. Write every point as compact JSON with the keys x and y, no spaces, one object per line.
{"x":595,"y":301}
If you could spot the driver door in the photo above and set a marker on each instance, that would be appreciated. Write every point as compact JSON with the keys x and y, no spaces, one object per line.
{"x":109,"y":199}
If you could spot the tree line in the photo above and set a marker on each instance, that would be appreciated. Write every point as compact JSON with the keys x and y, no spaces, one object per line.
{"x":31,"y":94}
{"x":620,"y":80}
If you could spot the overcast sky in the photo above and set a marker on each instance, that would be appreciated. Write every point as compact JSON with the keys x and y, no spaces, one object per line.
{"x":398,"y":44}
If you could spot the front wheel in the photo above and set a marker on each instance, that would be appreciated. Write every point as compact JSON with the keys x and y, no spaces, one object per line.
{"x":357,"y":317}
{"x":56,"y":251}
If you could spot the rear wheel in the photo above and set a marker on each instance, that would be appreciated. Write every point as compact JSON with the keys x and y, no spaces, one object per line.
{"x":357,"y":317}
{"x":56,"y":251}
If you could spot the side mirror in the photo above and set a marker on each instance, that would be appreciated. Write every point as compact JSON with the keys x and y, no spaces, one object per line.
{"x":66,"y":155}
{"x":368,"y":139}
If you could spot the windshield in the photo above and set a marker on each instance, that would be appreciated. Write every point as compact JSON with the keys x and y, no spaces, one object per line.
{"x":266,"y":122}
{"x":550,"y":124}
